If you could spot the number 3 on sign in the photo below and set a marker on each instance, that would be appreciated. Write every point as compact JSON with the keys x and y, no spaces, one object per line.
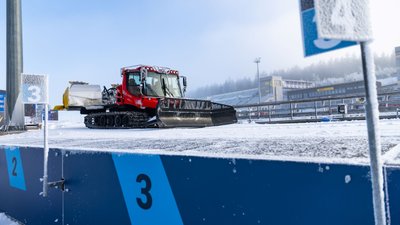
{"x":145,"y":191}
{"x":35,"y":94}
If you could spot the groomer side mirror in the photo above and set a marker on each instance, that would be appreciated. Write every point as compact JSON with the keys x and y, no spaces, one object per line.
{"x":184,"y":80}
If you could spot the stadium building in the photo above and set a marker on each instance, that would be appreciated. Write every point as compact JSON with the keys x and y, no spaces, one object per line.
{"x":272,"y":88}
{"x":343,"y":89}
{"x":385,"y":85}
{"x":275,"y":89}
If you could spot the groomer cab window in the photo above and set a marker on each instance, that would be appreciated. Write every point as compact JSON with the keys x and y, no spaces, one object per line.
{"x":133,"y":83}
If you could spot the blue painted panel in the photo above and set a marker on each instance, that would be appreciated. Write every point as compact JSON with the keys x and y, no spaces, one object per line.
{"x":146,"y":189}
{"x":221,"y":191}
{"x":393,"y":181}
{"x":29,"y":207}
{"x":15,"y":168}
{"x":95,"y":195}
{"x":314,"y":45}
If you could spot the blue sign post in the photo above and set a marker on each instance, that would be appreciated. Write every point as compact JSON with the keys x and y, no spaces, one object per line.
{"x":350,"y":21}
{"x":312,"y":44}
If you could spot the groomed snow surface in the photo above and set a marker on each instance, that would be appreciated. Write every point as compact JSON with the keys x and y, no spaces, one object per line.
{"x":340,"y":142}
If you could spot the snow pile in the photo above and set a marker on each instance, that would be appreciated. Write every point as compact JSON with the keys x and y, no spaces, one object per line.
{"x":4,"y":220}
{"x":343,"y":20}
{"x":332,"y":141}
{"x":67,"y":119}
{"x":392,"y":157}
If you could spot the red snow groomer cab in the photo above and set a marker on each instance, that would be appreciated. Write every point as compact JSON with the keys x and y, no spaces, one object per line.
{"x":151,"y":96}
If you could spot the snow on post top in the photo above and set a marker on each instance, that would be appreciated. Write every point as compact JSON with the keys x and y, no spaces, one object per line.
{"x":347,"y":20}
{"x":34,"y":89}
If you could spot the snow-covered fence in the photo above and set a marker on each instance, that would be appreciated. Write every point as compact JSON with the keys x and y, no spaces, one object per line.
{"x":315,"y":109}
{"x":131,"y":188}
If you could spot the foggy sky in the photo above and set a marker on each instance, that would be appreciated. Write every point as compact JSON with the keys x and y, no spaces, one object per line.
{"x":208,"y":41}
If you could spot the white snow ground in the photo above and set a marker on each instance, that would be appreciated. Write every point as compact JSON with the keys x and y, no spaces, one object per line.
{"x":340,"y":142}
{"x":4,"y":220}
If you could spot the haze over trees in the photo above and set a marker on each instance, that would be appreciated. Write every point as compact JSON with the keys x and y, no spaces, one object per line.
{"x":323,"y":73}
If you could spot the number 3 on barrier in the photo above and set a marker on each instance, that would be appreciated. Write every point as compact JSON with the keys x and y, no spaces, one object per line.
{"x":145,"y":191}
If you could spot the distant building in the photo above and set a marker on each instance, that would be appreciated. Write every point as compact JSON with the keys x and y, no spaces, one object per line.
{"x":333,"y":90}
{"x":297,"y":84}
{"x":389,"y":84}
{"x":273,"y":88}
{"x":290,"y":85}
{"x":244,"y":97}
{"x":397,"y":54}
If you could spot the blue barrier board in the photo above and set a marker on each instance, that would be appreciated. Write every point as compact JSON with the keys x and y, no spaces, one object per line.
{"x":113,"y":188}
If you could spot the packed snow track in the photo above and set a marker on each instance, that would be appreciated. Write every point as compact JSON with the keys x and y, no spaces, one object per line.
{"x":340,"y":142}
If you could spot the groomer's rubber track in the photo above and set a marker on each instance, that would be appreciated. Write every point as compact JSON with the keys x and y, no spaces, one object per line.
{"x":116,"y":120}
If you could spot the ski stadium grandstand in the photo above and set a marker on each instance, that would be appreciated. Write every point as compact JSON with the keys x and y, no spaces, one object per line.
{"x":275,"y":89}
{"x":272,"y":89}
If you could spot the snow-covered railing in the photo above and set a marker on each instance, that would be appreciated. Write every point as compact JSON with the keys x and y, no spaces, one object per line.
{"x":317,"y":108}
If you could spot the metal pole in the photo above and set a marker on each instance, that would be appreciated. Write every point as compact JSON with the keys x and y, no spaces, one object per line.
{"x":257,"y":61}
{"x":45,"y":139}
{"x":14,"y":64}
{"x":46,"y":150}
{"x":291,"y":111}
{"x":315,"y":110}
{"x":249,"y":112}
{"x":372,"y":117}
{"x":269,"y":113}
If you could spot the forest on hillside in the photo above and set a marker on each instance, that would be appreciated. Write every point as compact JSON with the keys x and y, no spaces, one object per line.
{"x":323,"y":73}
